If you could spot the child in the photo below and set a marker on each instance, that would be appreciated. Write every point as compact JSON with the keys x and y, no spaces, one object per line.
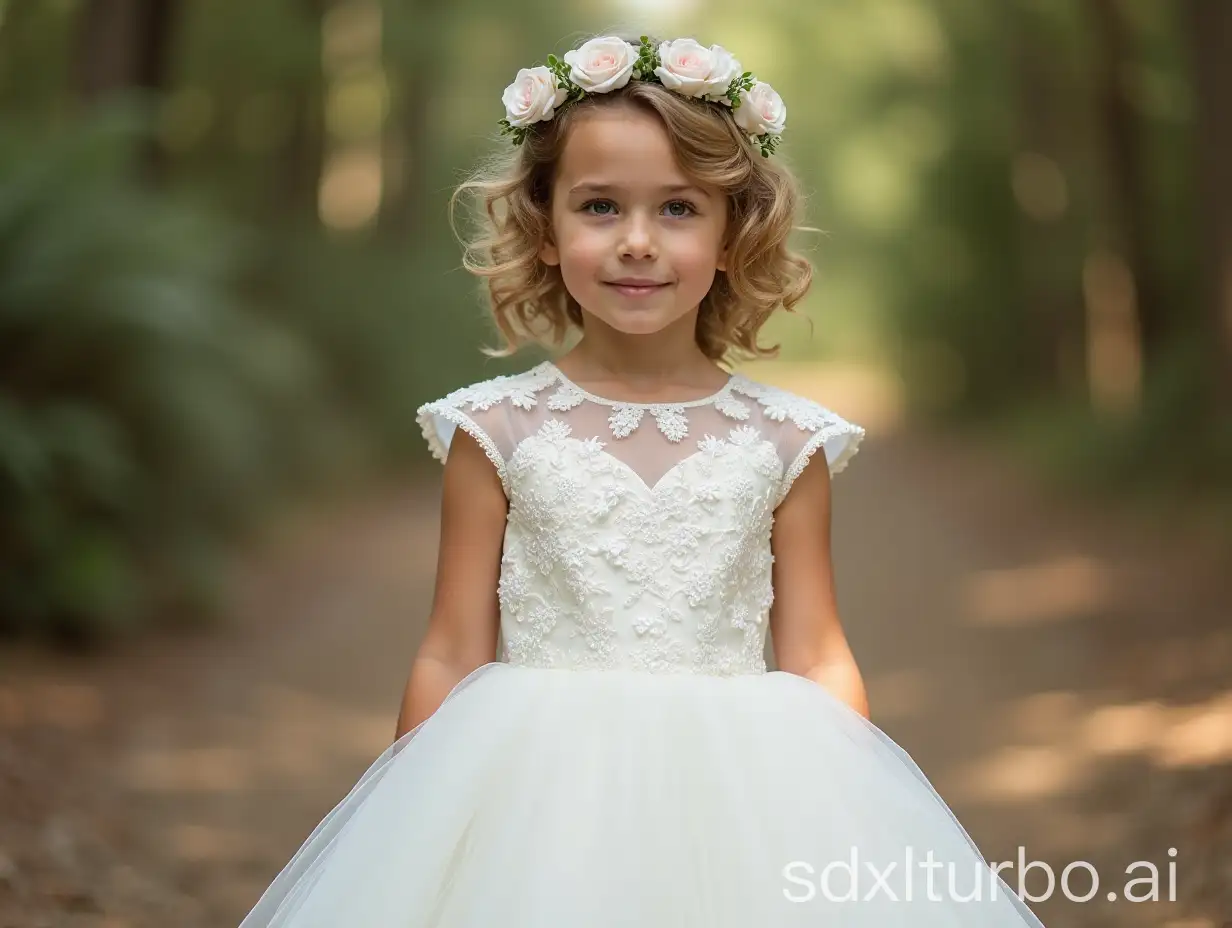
{"x":621,"y":526}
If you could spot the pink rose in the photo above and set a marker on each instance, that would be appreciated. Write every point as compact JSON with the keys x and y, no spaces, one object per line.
{"x":532,"y":97}
{"x":601,"y":64}
{"x":761,"y":110}
{"x":693,"y":70}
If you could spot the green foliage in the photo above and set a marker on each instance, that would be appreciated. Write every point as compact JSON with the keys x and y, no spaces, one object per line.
{"x":1167,"y":446}
{"x":392,"y":326}
{"x":647,"y":59}
{"x":143,"y":411}
{"x":165,"y":375}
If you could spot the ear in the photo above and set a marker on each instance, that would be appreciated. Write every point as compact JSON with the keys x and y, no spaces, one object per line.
{"x":548,"y":252}
{"x":721,"y":263}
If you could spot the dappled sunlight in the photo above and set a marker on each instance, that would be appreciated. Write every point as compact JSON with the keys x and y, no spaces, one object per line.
{"x":1023,"y":773}
{"x":1077,"y":746}
{"x":1118,"y":730}
{"x":290,"y":738}
{"x":189,"y":770}
{"x":356,"y":105}
{"x":1015,"y":217}
{"x":911,"y":37}
{"x":351,"y":188}
{"x":857,"y":42}
{"x":1199,"y":735}
{"x":1066,"y":588}
{"x":51,"y":703}
{"x":655,"y":14}
{"x":1114,"y":347}
{"x":1171,"y":737}
{"x":864,"y":393}
{"x":201,"y":843}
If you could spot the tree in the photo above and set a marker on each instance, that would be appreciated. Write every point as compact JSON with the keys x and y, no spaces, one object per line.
{"x":302,"y":155}
{"x":1209,"y":24}
{"x":412,"y":55}
{"x":122,"y":46}
{"x":1126,"y":207}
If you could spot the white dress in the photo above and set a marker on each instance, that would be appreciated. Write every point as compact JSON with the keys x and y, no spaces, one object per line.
{"x":629,"y":761}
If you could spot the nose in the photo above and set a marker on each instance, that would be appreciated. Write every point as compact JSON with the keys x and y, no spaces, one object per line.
{"x":638,"y":240}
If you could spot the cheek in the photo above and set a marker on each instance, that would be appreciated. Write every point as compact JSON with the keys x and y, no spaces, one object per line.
{"x":582,"y":248}
{"x":696,"y":255}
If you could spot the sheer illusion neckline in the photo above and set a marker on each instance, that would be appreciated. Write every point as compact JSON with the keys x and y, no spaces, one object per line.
{"x":607,"y":401}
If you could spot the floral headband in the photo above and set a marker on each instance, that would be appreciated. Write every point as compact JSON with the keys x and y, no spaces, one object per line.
{"x":608,"y":63}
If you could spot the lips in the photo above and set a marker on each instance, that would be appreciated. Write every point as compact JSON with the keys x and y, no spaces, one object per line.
{"x":636,"y":286}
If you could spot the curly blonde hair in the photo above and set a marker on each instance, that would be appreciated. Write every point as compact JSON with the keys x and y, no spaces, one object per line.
{"x":528,"y":298}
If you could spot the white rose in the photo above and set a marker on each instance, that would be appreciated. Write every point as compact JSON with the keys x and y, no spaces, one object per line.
{"x":532,"y":97}
{"x":601,"y":64}
{"x":724,"y":69}
{"x":761,"y":110}
{"x":696,"y":71}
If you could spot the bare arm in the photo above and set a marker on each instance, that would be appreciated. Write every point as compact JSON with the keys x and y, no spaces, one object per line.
{"x":465,"y":616}
{"x":804,"y":622}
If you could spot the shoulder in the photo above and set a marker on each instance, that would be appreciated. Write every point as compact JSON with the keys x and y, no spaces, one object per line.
{"x":781,"y":405}
{"x":802,"y":426}
{"x":483,"y":410}
{"x":519,"y":389}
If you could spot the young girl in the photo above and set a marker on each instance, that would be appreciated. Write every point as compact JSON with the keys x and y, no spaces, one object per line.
{"x":590,"y":736}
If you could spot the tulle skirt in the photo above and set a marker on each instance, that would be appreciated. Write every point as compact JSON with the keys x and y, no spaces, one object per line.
{"x":564,"y":798}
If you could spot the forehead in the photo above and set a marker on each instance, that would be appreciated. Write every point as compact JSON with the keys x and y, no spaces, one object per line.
{"x":620,"y":146}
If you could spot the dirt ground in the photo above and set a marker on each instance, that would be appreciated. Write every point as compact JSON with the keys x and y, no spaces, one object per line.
{"x":1062,"y":674}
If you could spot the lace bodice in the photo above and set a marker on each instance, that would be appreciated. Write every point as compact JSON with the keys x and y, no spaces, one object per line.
{"x":638,"y":534}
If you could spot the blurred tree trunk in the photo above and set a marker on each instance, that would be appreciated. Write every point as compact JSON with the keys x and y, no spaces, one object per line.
{"x":125,"y":45}
{"x":1053,"y":318}
{"x":1127,"y":210}
{"x":1210,"y":28}
{"x":13,"y":17}
{"x":303,"y":154}
{"x":412,"y":36}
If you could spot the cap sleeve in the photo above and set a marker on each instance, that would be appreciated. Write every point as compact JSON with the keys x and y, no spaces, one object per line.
{"x":816,"y":428}
{"x":485,"y":421}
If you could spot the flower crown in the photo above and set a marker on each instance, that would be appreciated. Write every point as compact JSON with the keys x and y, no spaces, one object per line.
{"x":608,"y":63}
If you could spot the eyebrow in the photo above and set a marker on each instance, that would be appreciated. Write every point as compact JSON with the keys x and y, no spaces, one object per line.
{"x":609,"y":188}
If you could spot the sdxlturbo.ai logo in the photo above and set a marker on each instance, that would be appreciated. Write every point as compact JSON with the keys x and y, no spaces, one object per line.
{"x":972,"y":881}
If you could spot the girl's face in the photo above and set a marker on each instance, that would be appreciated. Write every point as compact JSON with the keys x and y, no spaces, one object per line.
{"x":637,"y":242}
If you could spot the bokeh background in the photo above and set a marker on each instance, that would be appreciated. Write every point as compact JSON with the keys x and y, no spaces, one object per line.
{"x":228,"y":278}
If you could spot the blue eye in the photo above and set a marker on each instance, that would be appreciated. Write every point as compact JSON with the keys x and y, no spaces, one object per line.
{"x":606,"y":204}
{"x":688,"y":209}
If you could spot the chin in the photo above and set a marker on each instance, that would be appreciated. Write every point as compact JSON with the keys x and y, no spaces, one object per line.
{"x":638,"y":324}
{"x":644,"y":321}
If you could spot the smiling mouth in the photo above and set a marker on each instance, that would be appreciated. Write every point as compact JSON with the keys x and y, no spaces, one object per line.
{"x":638,"y":289}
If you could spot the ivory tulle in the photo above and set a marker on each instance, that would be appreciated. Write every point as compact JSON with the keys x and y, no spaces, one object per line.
{"x":569,"y":798}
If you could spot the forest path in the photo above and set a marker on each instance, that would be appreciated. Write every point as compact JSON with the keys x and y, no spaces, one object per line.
{"x":1061,"y":674}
